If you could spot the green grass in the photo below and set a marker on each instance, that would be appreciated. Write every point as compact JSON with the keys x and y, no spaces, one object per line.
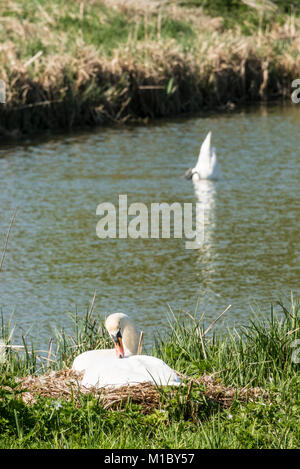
{"x":261,"y":354}
{"x":249,"y":19}
{"x":103,"y":27}
{"x":107,"y":28}
{"x":114,"y":31}
{"x":238,"y":7}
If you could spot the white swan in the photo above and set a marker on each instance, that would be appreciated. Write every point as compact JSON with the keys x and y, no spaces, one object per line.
{"x":124,"y":335}
{"x":105,"y":368}
{"x":207,"y":165}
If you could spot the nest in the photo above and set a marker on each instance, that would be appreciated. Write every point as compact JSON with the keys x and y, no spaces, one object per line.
{"x":65,"y":384}
{"x":225,"y":395}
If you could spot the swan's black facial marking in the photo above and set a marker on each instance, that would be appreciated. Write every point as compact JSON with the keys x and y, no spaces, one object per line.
{"x":188,"y":174}
{"x":116,"y":336}
{"x":117,"y":339}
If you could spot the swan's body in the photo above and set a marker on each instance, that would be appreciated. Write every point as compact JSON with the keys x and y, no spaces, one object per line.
{"x":207,"y":165}
{"x":86,"y":359}
{"x":113,"y":372}
{"x":122,"y":366}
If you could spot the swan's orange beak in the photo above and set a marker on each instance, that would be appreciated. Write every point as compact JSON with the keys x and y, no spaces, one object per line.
{"x":119,"y":345}
{"x":119,"y":348}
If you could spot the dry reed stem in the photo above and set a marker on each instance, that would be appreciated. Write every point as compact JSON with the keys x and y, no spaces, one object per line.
{"x":140,"y":345}
{"x":35,"y":57}
{"x":292,"y":332}
{"x":215,"y":320}
{"x":7,"y":236}
{"x":92,"y":306}
{"x":49,"y":352}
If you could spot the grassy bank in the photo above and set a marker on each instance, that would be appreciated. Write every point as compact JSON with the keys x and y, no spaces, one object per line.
{"x":241,"y":390}
{"x":86,"y":63}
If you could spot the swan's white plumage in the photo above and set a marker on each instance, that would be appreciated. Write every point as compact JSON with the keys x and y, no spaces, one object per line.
{"x":207,"y":165}
{"x":114,"y":372}
{"x":87,"y":359}
{"x":103,"y":368}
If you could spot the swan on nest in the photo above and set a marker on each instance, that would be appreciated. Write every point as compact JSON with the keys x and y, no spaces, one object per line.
{"x":122,"y":366}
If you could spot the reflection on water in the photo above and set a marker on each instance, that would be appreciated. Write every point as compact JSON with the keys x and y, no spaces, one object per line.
{"x":250,"y":252}
{"x":205,"y":191}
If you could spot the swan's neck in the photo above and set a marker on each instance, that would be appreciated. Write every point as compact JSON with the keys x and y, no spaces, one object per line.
{"x":196,"y":176}
{"x":130,"y":338}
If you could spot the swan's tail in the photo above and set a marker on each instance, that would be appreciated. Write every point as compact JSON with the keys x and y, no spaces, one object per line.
{"x":205,"y":153}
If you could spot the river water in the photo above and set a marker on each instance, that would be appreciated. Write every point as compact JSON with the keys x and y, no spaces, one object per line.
{"x":55,"y":261}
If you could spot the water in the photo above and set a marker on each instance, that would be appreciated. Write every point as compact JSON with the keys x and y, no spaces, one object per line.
{"x":55,"y":261}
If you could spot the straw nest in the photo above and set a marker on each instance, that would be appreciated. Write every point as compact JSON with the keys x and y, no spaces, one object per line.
{"x":65,"y":384}
{"x":225,"y":395}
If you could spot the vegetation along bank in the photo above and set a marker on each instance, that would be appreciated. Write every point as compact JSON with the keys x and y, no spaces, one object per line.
{"x":79,"y":63}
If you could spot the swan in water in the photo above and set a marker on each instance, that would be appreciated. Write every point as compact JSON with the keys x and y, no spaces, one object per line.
{"x":207,"y":165}
{"x":122,"y":366}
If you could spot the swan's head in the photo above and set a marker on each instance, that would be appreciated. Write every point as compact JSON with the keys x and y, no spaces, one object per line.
{"x":192,"y":174}
{"x":188,"y":174}
{"x":123,"y":333}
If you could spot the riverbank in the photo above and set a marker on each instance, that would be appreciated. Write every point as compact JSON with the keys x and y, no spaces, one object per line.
{"x":106,"y":62}
{"x":241,"y":389}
